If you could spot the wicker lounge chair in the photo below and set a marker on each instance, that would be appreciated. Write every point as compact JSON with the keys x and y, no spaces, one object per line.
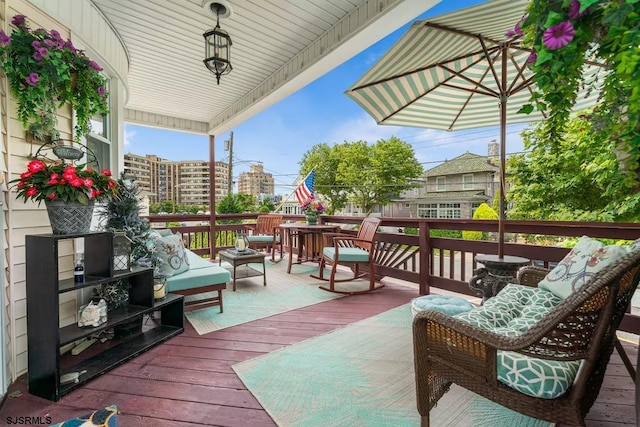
{"x":352,"y":251}
{"x":581,"y":327}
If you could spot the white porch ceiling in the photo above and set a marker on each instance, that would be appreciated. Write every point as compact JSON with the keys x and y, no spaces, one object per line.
{"x":278,"y":47}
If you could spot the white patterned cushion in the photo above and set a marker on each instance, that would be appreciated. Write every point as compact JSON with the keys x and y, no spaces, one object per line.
{"x":587,"y":258}
{"x":511,"y":313}
{"x":171,"y":254}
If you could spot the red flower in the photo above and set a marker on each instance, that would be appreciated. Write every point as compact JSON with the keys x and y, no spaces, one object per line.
{"x":31,"y":191}
{"x":88,"y":182}
{"x":35,"y":166}
{"x":25,"y":175}
{"x":51,"y":196}
{"x":106,"y":172}
{"x":53,"y":181}
{"x":111,"y":184}
{"x":90,"y":170}
{"x":76,"y":182}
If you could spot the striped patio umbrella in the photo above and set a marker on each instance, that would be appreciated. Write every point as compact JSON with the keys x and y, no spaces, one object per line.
{"x":457,"y":71}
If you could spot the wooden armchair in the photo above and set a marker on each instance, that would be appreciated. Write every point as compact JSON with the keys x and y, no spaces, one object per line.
{"x":352,"y":251}
{"x":582,"y":327}
{"x":265,"y":233}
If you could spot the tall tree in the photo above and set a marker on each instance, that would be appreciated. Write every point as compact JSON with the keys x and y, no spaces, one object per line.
{"x":325,"y":159}
{"x":368,"y":175}
{"x":579,"y":179}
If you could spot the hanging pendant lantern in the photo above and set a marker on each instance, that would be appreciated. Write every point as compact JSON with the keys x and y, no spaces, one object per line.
{"x":217,"y":43}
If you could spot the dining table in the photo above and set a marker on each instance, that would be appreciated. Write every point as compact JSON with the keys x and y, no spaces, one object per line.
{"x":306,"y":240}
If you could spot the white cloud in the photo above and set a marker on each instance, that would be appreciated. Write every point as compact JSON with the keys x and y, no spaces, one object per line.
{"x":129,"y":134}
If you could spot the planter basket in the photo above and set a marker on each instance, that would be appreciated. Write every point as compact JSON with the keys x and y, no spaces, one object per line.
{"x":69,"y":218}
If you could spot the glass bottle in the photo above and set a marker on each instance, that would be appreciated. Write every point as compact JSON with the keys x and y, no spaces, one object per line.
{"x":78,"y":270}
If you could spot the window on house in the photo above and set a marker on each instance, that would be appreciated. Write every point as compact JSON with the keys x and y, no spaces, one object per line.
{"x":474,"y":206}
{"x":441,"y":183}
{"x":449,"y":210}
{"x":427,"y":210}
{"x":99,"y":140}
{"x":467,"y":182}
{"x":407,"y":205}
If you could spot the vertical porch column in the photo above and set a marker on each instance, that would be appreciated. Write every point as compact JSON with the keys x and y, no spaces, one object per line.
{"x":212,"y":197}
{"x":425,"y":250}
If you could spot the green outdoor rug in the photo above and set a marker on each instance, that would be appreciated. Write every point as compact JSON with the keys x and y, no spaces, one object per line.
{"x":251,"y":300}
{"x":361,"y":375}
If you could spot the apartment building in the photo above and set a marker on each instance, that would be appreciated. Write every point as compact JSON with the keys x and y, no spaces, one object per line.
{"x":256,"y":182}
{"x":183,"y":182}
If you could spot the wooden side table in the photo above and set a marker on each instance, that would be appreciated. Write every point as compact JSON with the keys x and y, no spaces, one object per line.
{"x":308,"y":238}
{"x":496,"y":274}
{"x":245,"y":257}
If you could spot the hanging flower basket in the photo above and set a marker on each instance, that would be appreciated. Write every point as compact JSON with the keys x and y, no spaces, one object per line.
{"x":69,"y":217}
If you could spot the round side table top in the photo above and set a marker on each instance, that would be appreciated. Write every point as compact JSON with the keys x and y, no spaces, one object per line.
{"x":506,"y":261}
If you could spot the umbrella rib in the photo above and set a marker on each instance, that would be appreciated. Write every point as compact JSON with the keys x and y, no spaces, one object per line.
{"x":477,"y":83}
{"x":418,"y":70}
{"x":443,"y":83}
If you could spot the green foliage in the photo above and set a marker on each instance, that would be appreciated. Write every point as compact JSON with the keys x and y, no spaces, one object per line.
{"x":44,"y":73}
{"x":367,"y":175}
{"x":121,"y":213}
{"x":450,"y":234}
{"x":608,"y":31}
{"x":577,"y":179}
{"x":266,"y":206}
{"x":483,"y":211}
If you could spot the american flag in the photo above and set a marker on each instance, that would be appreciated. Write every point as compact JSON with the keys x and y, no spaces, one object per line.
{"x":305,"y":189}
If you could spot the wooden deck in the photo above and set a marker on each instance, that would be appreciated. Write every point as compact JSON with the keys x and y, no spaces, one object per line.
{"x":188,"y":381}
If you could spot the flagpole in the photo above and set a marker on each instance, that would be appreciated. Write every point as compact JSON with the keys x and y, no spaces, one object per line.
{"x":294,"y":190}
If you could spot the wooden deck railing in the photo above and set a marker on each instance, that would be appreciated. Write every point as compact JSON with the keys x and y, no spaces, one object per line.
{"x":443,"y":263}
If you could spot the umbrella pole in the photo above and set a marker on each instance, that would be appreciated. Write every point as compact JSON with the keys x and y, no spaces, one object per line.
{"x":503,"y":151}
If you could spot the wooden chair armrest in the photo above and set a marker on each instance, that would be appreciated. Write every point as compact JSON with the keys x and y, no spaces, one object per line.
{"x":531,"y":275}
{"x":249,"y":228}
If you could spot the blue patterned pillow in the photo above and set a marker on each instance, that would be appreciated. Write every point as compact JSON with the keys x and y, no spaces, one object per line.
{"x":107,"y":417}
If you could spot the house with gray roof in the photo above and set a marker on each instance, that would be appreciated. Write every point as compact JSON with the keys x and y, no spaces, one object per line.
{"x":453,"y":189}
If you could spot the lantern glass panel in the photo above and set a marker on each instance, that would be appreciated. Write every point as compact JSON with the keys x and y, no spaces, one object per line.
{"x":121,"y":253}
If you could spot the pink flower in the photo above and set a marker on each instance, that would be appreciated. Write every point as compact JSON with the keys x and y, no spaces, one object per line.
{"x":25,"y":175}
{"x":105,"y":172}
{"x":559,"y":35}
{"x":532,"y":58}
{"x":53,"y":181}
{"x":52,"y":196}
{"x":88,"y":182}
{"x":4,"y":38}
{"x":32,"y":79}
{"x":95,"y":65}
{"x":574,"y":10}
{"x":31,"y":191}
{"x":18,"y":20}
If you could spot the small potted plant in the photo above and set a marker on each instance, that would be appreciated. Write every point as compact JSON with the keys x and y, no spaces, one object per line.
{"x":65,"y":187}
{"x":312,"y":208}
{"x":45,"y":72}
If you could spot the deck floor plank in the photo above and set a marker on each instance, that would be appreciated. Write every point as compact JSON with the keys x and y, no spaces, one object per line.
{"x":189,"y":380}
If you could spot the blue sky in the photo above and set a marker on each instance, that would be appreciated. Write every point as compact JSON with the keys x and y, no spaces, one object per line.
{"x":319,"y":113}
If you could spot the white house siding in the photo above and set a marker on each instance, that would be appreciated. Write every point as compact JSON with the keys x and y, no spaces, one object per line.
{"x":26,"y":218}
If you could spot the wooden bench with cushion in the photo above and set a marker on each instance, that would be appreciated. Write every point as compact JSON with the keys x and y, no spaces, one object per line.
{"x":187,"y":273}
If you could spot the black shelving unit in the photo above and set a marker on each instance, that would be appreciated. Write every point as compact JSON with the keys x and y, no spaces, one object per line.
{"x":45,"y":337}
